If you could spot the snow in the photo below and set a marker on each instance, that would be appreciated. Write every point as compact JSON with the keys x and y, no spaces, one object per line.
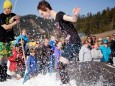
{"x":45,"y":80}
{"x":49,"y":80}
{"x":40,"y":80}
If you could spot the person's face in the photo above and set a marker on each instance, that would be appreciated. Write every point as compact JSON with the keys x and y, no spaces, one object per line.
{"x":46,"y":41}
{"x":45,"y":14}
{"x":89,"y":39}
{"x":32,"y":54}
{"x":17,"y":49}
{"x":94,"y":38}
{"x":96,"y":46}
{"x":105,"y":44}
{"x":7,"y":10}
{"x":59,"y":45}
{"x":108,"y":38}
{"x":24,"y":32}
{"x":100,"y":41}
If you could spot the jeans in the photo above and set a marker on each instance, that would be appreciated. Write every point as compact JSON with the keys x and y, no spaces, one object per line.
{"x":71,"y":51}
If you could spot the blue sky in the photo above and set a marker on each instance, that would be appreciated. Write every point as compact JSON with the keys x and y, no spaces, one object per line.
{"x":25,"y":7}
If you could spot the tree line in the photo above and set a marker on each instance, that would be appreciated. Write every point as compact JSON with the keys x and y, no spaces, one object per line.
{"x":96,"y":23}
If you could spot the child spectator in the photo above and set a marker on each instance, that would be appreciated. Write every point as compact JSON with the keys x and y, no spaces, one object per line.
{"x":106,"y":51}
{"x":16,"y":62}
{"x":52,"y":43}
{"x":96,"y":53}
{"x":32,"y":64}
{"x":57,"y":53}
{"x":25,"y":40}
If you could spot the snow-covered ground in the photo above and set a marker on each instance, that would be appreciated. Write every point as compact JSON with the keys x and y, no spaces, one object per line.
{"x":40,"y":80}
{"x":46,"y":80}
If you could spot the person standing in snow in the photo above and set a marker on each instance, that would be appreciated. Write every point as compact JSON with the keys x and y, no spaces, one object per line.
{"x":57,"y":53}
{"x":16,"y":62}
{"x":25,"y":40}
{"x":7,"y":21}
{"x":32,"y":64}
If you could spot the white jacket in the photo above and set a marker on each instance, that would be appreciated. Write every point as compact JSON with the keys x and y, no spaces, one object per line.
{"x":85,"y":54}
{"x":96,"y":54}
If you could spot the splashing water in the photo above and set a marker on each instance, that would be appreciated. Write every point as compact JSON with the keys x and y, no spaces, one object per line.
{"x":50,"y":80}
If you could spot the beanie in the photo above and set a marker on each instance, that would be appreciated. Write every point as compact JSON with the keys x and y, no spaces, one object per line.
{"x":104,"y":41}
{"x":7,"y":4}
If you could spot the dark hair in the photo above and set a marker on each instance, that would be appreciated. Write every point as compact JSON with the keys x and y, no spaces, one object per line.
{"x":17,"y":45}
{"x":32,"y":50}
{"x":43,"y":5}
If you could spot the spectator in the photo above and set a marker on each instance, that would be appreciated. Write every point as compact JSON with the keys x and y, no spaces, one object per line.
{"x":57,"y":53}
{"x":99,"y":40}
{"x":16,"y":62}
{"x":93,"y":40}
{"x":85,"y":52}
{"x":96,"y":53}
{"x":32,"y":64}
{"x":112,"y":46}
{"x":24,"y":41}
{"x":109,"y":40}
{"x":52,"y":43}
{"x":106,"y":51}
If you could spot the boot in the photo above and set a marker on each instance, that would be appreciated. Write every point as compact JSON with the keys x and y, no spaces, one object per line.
{"x":2,"y":74}
{"x":9,"y":77}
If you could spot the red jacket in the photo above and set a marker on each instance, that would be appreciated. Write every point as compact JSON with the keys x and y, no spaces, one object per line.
{"x":13,"y":60}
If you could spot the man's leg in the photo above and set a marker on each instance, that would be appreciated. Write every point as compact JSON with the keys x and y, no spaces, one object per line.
{"x":3,"y":67}
{"x":8,"y":48}
{"x":63,"y":74}
{"x":4,"y":64}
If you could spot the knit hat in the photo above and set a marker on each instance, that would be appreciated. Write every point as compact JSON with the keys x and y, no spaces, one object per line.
{"x":105,"y":41}
{"x":7,"y":4}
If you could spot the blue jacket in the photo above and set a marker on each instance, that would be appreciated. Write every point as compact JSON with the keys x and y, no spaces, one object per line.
{"x":106,"y":51}
{"x":32,"y":64}
{"x":52,"y":44}
{"x":25,"y":38}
